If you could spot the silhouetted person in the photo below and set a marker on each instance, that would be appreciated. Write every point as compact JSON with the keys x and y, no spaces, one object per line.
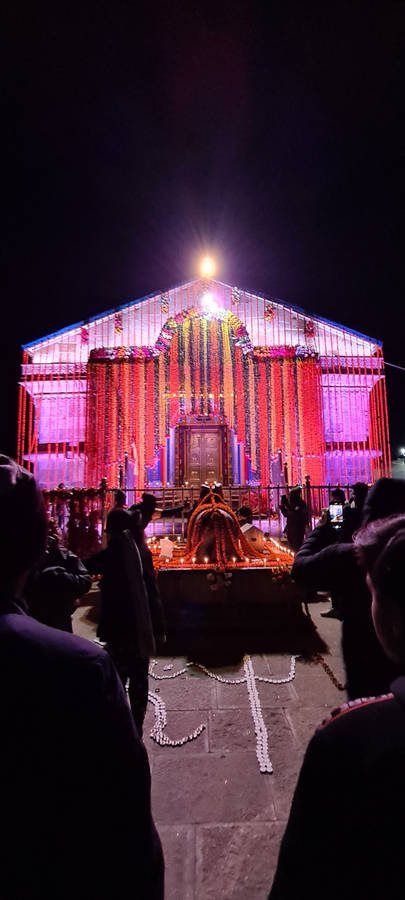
{"x":295,"y":511}
{"x":324,"y":565}
{"x":337,"y":495}
{"x":345,"y":834}
{"x":204,"y":491}
{"x":71,"y":761}
{"x":252,"y":534}
{"x":125,"y":623}
{"x":146,"y":507}
{"x":353,"y":512}
{"x":120,"y":500}
{"x":56,"y":584}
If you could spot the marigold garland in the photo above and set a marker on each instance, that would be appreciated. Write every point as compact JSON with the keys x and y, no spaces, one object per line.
{"x":271,"y":399}
{"x":213,"y":516}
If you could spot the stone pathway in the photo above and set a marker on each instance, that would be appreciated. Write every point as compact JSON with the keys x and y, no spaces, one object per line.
{"x":219,"y":818}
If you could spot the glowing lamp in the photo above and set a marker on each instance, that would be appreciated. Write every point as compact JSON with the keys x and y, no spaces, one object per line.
{"x":209,"y":303}
{"x":207,"y":267}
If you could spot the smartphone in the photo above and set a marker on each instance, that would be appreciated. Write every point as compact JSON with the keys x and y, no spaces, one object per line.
{"x":336,"y":514}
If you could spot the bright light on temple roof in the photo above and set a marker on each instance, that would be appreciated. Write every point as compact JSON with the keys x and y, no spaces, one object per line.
{"x":209,"y":303}
{"x":207,"y":267}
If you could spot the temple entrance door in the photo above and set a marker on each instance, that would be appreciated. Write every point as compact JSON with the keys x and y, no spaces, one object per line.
{"x":203,"y":457}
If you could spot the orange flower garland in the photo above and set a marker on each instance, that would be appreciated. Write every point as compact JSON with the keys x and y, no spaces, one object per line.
{"x":214,"y":525}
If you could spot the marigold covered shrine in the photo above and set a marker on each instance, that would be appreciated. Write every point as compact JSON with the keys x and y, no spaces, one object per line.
{"x":203,"y":382}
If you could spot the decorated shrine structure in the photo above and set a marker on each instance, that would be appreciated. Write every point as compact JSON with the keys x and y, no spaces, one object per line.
{"x":204,"y":382}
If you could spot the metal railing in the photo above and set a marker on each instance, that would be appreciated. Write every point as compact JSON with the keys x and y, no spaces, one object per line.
{"x":81,"y":513}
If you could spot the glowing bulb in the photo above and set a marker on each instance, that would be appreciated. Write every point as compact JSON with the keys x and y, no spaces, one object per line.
{"x":193,"y":559}
{"x":207,"y":267}
{"x":234,"y":559}
{"x":182,"y":560}
{"x":209,"y":303}
{"x":205,"y":559}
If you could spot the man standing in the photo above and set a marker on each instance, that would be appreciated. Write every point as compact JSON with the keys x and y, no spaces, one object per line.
{"x":74,"y":775}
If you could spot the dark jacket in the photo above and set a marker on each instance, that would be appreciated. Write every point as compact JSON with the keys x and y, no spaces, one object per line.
{"x":74,"y":775}
{"x":129,"y":614}
{"x":297,"y":517}
{"x":345,"y":834}
{"x":53,"y":588}
{"x":324,"y":566}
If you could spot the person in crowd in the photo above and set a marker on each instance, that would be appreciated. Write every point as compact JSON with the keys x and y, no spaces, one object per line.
{"x":204,"y":491}
{"x":351,"y":520}
{"x":352,"y":513}
{"x":252,"y":534}
{"x":147,"y":508}
{"x":337,"y":495}
{"x":71,"y":761}
{"x":345,"y":833}
{"x":56,"y":584}
{"x":295,"y":511}
{"x":126,"y":622}
{"x":61,"y":510}
{"x":120,"y":500}
{"x":326,"y":565}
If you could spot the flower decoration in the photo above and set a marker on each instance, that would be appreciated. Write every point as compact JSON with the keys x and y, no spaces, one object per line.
{"x":269,"y":312}
{"x":235,"y":296}
{"x":84,"y":335}
{"x":118,"y":323}
{"x":309,"y":329}
{"x":164,"y":303}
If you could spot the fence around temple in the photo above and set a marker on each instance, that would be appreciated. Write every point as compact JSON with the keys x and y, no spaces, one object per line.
{"x":81,"y":513}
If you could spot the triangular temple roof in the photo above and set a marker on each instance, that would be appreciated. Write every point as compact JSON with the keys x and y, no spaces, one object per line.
{"x":192,"y":290}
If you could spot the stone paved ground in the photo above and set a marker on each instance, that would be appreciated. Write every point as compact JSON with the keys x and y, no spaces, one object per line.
{"x":219,"y":818}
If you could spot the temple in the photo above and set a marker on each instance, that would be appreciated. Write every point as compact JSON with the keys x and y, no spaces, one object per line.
{"x":204,"y":382}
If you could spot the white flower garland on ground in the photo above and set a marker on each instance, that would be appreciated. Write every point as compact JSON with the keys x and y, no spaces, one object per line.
{"x":262,"y":749}
{"x":157,"y":733}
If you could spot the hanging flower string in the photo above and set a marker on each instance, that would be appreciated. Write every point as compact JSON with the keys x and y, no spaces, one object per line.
{"x":309,"y":329}
{"x":118,"y":323}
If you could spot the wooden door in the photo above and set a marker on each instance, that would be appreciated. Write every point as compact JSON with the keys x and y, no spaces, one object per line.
{"x":203,"y":462}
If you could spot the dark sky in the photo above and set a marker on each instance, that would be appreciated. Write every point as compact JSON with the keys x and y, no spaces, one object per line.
{"x":138,"y":135}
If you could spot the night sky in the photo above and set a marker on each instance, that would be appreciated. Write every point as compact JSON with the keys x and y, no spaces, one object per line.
{"x":138,"y":136}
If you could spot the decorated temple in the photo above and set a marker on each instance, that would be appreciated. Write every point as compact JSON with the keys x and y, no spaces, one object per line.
{"x":203,"y":382}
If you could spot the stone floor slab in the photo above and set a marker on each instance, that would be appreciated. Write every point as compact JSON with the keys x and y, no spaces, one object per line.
{"x":178,"y":842}
{"x":231,"y":729}
{"x":236,"y":862}
{"x":186,"y":692}
{"x":304,"y":722}
{"x":212,"y":787}
{"x":236,"y":696}
{"x":316,"y":689}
